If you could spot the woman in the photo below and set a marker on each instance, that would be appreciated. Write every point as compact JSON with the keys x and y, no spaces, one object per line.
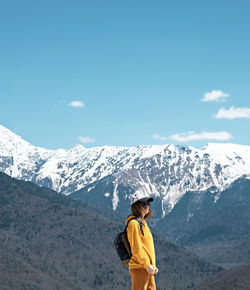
{"x":142,"y":267}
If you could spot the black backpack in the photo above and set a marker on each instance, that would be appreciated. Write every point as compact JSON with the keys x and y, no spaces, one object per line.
{"x":122,"y":246}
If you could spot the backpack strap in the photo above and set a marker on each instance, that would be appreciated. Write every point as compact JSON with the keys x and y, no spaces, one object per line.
{"x":140,"y":223}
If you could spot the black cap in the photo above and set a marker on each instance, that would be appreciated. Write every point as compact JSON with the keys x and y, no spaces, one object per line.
{"x":144,"y":199}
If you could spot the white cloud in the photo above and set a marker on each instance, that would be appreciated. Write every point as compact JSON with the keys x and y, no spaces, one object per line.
{"x":218,"y":96}
{"x":192,"y":136}
{"x":77,"y":104}
{"x":159,"y":137}
{"x":86,"y":139}
{"x":233,"y":113}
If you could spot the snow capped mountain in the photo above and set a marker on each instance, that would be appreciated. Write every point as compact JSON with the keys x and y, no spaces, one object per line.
{"x":18,"y":158}
{"x":166,"y":171}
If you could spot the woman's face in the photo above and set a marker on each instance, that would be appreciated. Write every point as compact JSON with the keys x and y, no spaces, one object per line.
{"x":145,"y":210}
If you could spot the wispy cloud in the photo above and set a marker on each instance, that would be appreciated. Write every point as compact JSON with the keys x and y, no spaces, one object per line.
{"x":86,"y":139}
{"x":77,"y":104}
{"x":233,"y":113}
{"x":215,"y":96}
{"x":192,"y":136}
{"x":159,"y":137}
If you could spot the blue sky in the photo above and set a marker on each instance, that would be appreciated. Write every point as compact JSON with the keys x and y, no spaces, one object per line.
{"x":125,"y":72}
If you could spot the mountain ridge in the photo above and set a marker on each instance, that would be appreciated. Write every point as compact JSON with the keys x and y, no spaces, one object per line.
{"x":165,"y":171}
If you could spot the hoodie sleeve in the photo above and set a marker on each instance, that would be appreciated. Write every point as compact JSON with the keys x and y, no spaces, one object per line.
{"x":134,"y":238}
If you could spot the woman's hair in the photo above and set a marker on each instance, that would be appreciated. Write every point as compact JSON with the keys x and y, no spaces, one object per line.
{"x":136,"y":209}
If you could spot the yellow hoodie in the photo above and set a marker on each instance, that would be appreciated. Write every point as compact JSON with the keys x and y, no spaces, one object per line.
{"x":142,"y":247}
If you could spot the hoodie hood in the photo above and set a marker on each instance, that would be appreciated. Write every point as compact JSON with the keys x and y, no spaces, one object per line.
{"x":129,"y":218}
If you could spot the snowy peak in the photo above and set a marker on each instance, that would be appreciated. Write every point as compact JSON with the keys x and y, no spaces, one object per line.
{"x":18,"y":158}
{"x":10,"y":141}
{"x":13,"y":144}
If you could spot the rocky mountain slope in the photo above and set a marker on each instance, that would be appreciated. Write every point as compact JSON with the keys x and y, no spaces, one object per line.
{"x":237,"y":278}
{"x":48,"y":241}
{"x":166,"y":172}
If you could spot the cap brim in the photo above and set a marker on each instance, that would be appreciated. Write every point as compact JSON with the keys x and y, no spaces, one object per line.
{"x":147,"y":199}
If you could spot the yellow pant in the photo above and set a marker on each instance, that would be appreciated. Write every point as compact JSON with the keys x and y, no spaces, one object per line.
{"x":141,"y":280}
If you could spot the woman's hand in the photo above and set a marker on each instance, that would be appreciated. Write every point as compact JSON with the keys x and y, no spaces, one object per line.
{"x":150,"y":269}
{"x":156,"y":270}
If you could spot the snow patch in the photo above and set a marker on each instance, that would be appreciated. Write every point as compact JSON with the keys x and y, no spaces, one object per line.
{"x":115,"y":199}
{"x":190,"y":215}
